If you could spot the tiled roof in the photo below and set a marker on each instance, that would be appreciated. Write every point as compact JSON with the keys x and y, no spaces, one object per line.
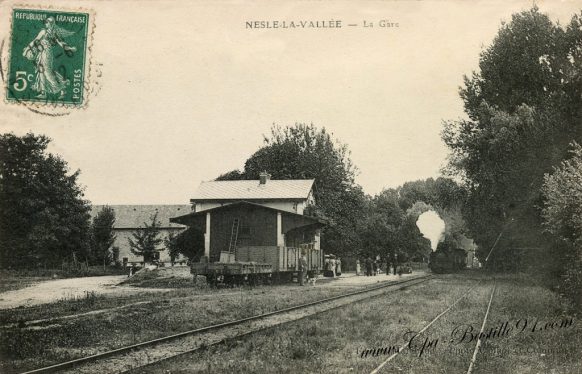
{"x":253,"y":190}
{"x":134,"y":216}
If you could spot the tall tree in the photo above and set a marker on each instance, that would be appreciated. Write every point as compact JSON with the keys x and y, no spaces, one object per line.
{"x":379,"y":228}
{"x":44,"y":218}
{"x":103,"y":237}
{"x":145,"y":241}
{"x":306,"y":152}
{"x":524,"y":108}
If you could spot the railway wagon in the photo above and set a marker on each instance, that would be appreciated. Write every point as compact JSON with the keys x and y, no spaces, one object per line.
{"x":259,"y":264}
{"x":250,"y":242}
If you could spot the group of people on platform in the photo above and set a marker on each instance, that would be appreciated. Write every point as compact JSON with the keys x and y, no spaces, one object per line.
{"x":374,"y":267}
{"x":333,"y":267}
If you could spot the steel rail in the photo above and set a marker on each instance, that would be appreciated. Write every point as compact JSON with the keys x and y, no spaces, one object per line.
{"x":476,"y":351}
{"x":402,"y":348}
{"x":82,"y":360}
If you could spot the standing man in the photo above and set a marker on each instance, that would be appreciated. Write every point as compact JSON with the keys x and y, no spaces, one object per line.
{"x":395,"y":262}
{"x":302,"y":269}
{"x":368,"y":266}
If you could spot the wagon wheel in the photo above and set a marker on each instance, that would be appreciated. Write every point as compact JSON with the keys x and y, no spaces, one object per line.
{"x":229,"y":280}
{"x":264,"y":279}
{"x":211,"y":280}
{"x":268,"y":278}
{"x":288,"y":277}
{"x":252,"y":280}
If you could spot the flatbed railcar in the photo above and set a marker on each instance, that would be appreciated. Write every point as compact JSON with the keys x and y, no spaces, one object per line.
{"x":259,"y":264}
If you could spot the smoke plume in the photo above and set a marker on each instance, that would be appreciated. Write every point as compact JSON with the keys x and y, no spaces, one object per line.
{"x":432,"y":227}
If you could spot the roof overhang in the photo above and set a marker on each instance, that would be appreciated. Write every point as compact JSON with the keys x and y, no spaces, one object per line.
{"x":230,"y":201}
{"x":199,"y":218}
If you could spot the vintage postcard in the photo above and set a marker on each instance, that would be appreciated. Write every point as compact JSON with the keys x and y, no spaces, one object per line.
{"x":291,"y":186}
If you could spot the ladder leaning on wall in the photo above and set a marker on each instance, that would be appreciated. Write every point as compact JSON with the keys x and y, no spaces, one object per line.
{"x":234,"y":235}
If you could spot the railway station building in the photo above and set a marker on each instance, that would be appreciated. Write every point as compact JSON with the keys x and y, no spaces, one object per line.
{"x":259,"y":221}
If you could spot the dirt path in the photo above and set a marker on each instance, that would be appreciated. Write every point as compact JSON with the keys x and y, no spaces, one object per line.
{"x":54,"y":290}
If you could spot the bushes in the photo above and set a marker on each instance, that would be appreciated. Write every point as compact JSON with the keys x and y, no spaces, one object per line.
{"x":562,"y":213}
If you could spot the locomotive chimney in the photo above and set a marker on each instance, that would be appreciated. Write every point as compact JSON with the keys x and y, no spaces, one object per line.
{"x":264,"y":177}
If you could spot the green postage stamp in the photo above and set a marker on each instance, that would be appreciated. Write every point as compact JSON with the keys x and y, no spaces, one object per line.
{"x":48,"y":57}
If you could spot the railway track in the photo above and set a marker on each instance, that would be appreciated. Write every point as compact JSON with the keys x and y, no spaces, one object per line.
{"x":379,"y":368}
{"x":142,"y":354}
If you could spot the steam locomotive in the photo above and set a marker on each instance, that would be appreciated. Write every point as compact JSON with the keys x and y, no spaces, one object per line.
{"x":447,"y":259}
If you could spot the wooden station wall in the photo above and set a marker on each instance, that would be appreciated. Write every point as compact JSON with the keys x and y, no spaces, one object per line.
{"x":257,"y":227}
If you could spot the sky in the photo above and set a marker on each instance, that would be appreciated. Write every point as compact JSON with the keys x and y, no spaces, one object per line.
{"x":182,"y":92}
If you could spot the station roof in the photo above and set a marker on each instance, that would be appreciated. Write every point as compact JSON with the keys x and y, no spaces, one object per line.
{"x":134,"y":216}
{"x":195,"y":218}
{"x":292,"y":189}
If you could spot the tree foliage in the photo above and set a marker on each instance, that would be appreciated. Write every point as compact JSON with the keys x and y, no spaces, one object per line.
{"x":524,"y":108}
{"x":390,"y":231}
{"x":188,"y":243}
{"x":306,"y":152}
{"x":103,"y":237}
{"x":145,"y":241}
{"x":358,"y":225}
{"x":170,"y":241}
{"x":379,"y":227}
{"x":562,"y":192}
{"x":443,"y":195}
{"x":562,"y":213}
{"x":43,"y":216}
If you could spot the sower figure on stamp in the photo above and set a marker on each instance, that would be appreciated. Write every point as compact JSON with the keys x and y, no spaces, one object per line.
{"x":41,"y":51}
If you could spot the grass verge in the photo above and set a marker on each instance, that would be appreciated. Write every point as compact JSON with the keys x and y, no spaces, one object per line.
{"x":337,"y":341}
{"x":170,"y":312}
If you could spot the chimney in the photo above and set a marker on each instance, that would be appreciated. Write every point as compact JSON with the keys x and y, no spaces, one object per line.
{"x":264,"y":177}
